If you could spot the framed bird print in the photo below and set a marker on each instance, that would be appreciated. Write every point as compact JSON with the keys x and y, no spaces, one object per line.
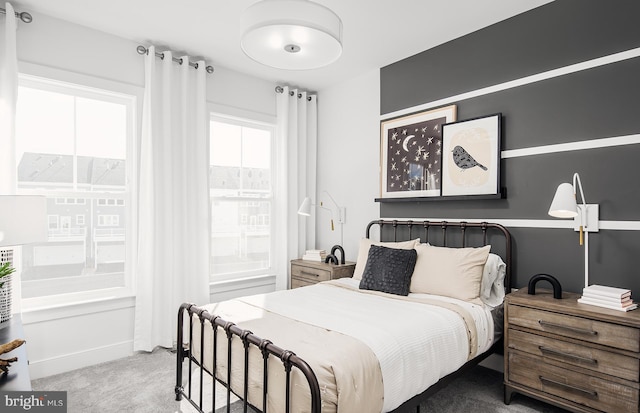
{"x":471,"y":156}
{"x":411,"y":153}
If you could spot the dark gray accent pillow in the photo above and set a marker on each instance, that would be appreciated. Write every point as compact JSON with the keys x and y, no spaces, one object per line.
{"x":388,"y":270}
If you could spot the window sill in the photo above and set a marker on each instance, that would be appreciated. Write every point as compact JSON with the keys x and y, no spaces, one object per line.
{"x":226,"y":285}
{"x":42,"y":309}
{"x":36,"y":310}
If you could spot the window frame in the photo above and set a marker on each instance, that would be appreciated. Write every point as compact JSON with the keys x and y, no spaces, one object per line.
{"x":255,"y":121}
{"x":60,"y":81}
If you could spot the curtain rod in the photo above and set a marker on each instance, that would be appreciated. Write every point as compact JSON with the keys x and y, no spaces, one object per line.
{"x":143,"y":50}
{"x":280,"y":89}
{"x":24,"y":16}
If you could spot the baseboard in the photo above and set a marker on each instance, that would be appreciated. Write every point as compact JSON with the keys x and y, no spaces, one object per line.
{"x":72,"y":361}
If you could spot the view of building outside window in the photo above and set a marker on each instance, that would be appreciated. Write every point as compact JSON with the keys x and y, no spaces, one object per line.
{"x":241,"y":197}
{"x":71,"y":146}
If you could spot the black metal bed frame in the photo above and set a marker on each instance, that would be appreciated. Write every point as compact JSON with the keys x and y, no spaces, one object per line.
{"x":428,"y":227}
{"x":289,"y":359}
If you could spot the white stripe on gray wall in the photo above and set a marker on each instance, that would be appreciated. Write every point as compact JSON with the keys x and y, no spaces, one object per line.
{"x":550,"y":74}
{"x":536,"y":223}
{"x":572,"y":146}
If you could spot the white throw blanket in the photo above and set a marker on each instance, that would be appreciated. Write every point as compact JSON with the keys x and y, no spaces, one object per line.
{"x":416,"y":344}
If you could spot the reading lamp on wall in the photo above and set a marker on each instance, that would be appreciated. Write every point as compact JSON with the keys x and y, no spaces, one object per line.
{"x":585,"y":216}
{"x":305,"y":210}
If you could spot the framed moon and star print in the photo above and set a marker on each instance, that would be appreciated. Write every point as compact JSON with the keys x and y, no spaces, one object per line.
{"x":411,"y":149}
{"x":471,"y":157}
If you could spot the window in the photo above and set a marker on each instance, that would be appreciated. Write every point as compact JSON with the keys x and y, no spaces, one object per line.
{"x":108,"y":220}
{"x":53,"y":222}
{"x":241,"y":177}
{"x":71,"y":144}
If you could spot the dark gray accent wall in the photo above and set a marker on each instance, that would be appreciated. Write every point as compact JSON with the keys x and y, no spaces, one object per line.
{"x":555,"y":35}
{"x":591,"y":104}
{"x":594,"y":103}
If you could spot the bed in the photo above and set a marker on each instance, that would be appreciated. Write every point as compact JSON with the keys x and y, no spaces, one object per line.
{"x":371,"y":343}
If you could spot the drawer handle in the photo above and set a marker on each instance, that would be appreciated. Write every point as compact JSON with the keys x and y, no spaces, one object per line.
{"x":567,"y":355}
{"x":309,"y":273}
{"x":589,"y":393}
{"x":572,"y":329}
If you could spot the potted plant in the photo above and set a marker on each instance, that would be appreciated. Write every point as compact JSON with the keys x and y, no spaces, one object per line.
{"x":5,"y":270}
{"x":5,"y":290}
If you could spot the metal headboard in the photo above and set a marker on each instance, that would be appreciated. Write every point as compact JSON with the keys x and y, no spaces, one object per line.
{"x":413,"y":229}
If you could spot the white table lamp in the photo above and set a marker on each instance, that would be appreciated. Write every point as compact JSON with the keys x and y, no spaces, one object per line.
{"x":23,"y":220}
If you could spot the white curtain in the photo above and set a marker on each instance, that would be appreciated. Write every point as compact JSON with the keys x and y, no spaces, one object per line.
{"x":297,"y":130}
{"x":8,"y":99}
{"x":171,"y":210}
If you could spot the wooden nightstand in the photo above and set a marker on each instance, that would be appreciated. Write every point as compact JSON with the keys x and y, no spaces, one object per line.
{"x":582,"y":358}
{"x":310,"y":272}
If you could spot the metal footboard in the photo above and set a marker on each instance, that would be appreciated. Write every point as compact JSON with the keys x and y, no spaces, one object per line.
{"x":233,"y":332}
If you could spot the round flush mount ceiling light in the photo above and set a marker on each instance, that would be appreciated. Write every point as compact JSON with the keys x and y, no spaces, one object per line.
{"x":291,"y":34}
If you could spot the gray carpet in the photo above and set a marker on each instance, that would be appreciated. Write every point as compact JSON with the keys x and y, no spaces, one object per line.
{"x":144,"y":383}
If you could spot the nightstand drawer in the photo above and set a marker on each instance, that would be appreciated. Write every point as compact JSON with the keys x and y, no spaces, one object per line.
{"x":305,"y":272}
{"x":297,"y":282}
{"x":593,"y":331}
{"x":310,"y":273}
{"x":602,"y":361}
{"x":586,"y":390}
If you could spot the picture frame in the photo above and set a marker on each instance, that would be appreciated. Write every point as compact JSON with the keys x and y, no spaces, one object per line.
{"x":411,"y":153}
{"x":471,"y":156}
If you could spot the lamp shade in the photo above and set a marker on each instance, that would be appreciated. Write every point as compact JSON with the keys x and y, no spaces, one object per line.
{"x":291,"y":34}
{"x":305,"y":207}
{"x":23,"y":219}
{"x":564,"y":202}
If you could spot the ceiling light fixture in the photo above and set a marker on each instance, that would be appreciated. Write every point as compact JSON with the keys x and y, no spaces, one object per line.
{"x":291,"y":34}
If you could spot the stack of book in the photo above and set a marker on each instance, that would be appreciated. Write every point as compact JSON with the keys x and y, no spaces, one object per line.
{"x":315,"y":255}
{"x":608,"y":297}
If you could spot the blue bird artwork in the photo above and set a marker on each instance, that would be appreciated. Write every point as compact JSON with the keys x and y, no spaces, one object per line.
{"x":464,"y":160}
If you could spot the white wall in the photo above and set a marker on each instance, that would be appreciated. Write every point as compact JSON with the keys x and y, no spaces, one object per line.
{"x":58,"y":44}
{"x":72,"y":336}
{"x":348,"y":153}
{"x":62,"y":45}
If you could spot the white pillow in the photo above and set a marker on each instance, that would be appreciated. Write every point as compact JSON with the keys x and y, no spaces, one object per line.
{"x":451,"y":272}
{"x":492,"y":287}
{"x":363,"y":252}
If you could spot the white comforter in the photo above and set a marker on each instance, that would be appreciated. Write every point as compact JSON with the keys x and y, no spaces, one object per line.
{"x":410,"y":363}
